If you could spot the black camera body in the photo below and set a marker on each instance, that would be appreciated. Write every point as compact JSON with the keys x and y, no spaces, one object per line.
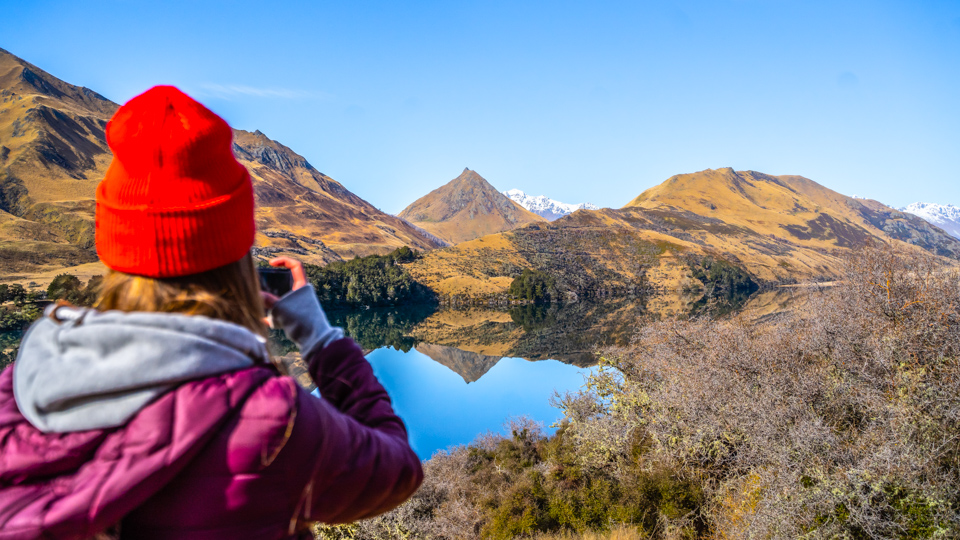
{"x":275,"y":280}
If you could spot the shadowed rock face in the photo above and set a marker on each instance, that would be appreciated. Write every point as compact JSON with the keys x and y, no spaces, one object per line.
{"x":911,"y":229}
{"x":467,"y":207}
{"x":469,"y":365}
{"x":53,"y":153}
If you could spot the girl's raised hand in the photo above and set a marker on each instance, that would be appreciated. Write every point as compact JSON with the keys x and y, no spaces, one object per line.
{"x":299,"y":277}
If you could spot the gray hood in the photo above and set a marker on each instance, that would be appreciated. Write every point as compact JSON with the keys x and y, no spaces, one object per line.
{"x":97,"y":369}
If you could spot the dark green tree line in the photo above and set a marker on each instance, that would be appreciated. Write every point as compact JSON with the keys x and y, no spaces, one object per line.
{"x":533,"y":285}
{"x":375,"y":280}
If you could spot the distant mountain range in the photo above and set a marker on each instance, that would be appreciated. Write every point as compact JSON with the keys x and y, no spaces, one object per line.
{"x":53,"y":152}
{"x":544,"y":206}
{"x":466,"y":208}
{"x":692,"y":231}
{"x":945,"y":216}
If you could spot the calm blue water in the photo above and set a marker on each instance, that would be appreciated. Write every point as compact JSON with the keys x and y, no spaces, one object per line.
{"x":431,"y":394}
{"x":441,"y":410}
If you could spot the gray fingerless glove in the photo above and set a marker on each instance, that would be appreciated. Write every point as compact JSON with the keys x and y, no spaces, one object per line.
{"x":300,"y":316}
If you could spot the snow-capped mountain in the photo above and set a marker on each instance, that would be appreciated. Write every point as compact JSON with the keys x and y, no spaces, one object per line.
{"x":945,"y":216}
{"x":545,"y":207}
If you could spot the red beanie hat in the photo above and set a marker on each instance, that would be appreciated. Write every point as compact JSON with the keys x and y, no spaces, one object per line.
{"x":174,"y":201}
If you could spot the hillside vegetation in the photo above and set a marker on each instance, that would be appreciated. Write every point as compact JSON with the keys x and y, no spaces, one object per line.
{"x":374,"y":280}
{"x":19,"y":308}
{"x":769,"y":229}
{"x":837,"y":421}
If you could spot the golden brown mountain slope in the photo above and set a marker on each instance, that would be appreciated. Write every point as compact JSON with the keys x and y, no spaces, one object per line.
{"x":465,"y":208}
{"x":53,"y":152}
{"x":794,"y":208}
{"x":777,"y":229}
{"x":302,"y":211}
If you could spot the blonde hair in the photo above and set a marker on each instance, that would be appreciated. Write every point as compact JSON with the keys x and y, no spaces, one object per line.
{"x":230,"y":293}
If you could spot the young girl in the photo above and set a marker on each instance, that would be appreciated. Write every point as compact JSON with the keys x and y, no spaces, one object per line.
{"x":159,"y":414}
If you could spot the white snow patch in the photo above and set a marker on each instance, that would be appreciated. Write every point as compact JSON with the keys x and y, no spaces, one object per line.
{"x":945,"y":216}
{"x":544,"y":206}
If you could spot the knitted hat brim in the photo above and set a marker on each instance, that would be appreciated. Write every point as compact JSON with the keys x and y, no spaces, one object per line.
{"x":151,"y":241}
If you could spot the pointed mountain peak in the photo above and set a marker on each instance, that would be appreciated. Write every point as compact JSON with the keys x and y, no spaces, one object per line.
{"x":472,"y":177}
{"x":465,"y":208}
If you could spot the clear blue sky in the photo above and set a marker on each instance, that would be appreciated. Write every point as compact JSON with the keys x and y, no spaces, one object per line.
{"x":581,"y":101}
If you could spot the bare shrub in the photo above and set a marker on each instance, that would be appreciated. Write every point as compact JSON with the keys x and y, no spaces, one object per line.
{"x":442,"y":509}
{"x":840,"y":420}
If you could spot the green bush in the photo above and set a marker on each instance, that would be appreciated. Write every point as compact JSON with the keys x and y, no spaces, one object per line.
{"x":720,"y":275}
{"x":25,"y":309}
{"x":14,"y":292}
{"x":527,"y":484}
{"x":9,"y":345}
{"x":533,"y":285}
{"x":68,"y":287}
{"x":64,"y":286}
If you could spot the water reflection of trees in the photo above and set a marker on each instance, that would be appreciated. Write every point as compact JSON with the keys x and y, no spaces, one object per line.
{"x":570,"y":332}
{"x":372,"y":328}
{"x":573,"y":333}
{"x":383,"y":327}
{"x":722,"y":304}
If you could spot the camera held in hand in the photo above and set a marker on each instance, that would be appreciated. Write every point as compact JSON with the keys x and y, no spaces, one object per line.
{"x":275,"y":280}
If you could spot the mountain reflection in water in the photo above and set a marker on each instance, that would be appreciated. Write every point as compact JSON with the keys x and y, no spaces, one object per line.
{"x":454,"y":374}
{"x":470,"y":341}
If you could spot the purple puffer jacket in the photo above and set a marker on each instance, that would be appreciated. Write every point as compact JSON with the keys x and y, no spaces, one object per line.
{"x":242,"y":454}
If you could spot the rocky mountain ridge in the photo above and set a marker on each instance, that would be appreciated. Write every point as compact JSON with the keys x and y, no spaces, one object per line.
{"x":53,"y":152}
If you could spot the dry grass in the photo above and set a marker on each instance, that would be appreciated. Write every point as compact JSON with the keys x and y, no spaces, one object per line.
{"x":84,"y":272}
{"x":759,"y":202}
{"x":475,"y":267}
{"x":618,"y":533}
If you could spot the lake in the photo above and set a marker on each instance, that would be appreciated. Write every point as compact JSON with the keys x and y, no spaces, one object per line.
{"x":455,"y":374}
{"x":441,"y":409}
